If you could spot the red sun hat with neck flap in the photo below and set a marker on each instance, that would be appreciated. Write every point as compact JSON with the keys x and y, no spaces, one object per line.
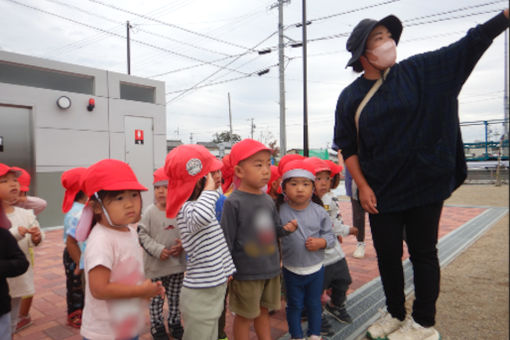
{"x":23,"y":179}
{"x":184,"y":166}
{"x":335,"y":168}
{"x":160,"y":177}
{"x":288,"y":158}
{"x":318,"y":164}
{"x":298,"y":168}
{"x":109,"y":175}
{"x":245,"y":149}
{"x":275,"y":174}
{"x":227,"y":173}
{"x":4,"y":169}
{"x":71,"y":181}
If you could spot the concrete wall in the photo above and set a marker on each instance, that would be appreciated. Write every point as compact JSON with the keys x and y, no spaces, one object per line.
{"x":63,"y":139}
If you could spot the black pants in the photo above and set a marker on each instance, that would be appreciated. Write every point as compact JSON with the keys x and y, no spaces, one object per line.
{"x":75,"y":294}
{"x":358,"y":219}
{"x":421,"y":226}
{"x":338,"y":278}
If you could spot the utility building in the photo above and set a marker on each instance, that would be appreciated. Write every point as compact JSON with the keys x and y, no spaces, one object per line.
{"x":55,"y":116}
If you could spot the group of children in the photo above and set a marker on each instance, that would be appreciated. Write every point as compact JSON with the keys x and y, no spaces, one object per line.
{"x":200,"y":247}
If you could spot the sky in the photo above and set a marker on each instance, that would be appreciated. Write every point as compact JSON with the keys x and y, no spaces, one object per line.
{"x":203,"y":50}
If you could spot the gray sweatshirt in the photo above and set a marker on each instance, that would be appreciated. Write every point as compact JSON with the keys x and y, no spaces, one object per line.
{"x":251,"y":225}
{"x":313,"y":221}
{"x":156,"y":232}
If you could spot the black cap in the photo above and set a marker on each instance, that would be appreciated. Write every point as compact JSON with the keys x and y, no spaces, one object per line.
{"x":359,"y":35}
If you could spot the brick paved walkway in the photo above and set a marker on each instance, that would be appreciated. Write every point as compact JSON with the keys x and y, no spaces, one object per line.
{"x":49,"y":306}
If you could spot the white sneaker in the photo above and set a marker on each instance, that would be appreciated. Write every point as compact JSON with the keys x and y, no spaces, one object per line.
{"x":387,"y":324}
{"x":314,"y":337}
{"x":411,"y":330}
{"x":359,"y":253}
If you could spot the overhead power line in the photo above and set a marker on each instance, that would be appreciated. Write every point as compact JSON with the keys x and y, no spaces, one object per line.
{"x":123,"y":37}
{"x":169,"y":25}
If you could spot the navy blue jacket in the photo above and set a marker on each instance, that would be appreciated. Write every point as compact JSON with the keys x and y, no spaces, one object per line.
{"x":410,"y":147}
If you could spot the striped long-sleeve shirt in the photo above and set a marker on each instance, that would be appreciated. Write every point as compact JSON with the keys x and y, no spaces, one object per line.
{"x":209,"y":261}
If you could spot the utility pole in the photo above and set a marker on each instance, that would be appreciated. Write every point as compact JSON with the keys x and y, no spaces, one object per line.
{"x":283,"y":129}
{"x":191,"y":138}
{"x":252,"y":128}
{"x":128,"y":26}
{"x":505,"y":98}
{"x":230,"y":115}
{"x":305,"y":95}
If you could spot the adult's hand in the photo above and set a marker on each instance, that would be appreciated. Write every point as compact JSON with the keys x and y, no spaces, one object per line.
{"x":367,"y":199}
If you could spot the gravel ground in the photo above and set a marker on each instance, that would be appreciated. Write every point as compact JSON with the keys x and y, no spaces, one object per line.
{"x":474,"y":298}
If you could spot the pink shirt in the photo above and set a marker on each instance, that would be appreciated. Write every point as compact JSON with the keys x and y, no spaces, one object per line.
{"x":121,"y":253}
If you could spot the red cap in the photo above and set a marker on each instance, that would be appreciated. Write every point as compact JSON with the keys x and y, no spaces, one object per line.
{"x":4,"y":169}
{"x":275,"y":174}
{"x":245,"y":149}
{"x":71,"y":181}
{"x":287,"y":158}
{"x":227,"y":172}
{"x":110,"y":175}
{"x":185,"y":165}
{"x":23,"y":179}
{"x":160,"y":177}
{"x":318,"y":164}
{"x":335,"y":168}
{"x":298,"y":168}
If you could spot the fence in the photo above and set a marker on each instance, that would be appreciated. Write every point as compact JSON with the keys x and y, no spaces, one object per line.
{"x":485,"y":140}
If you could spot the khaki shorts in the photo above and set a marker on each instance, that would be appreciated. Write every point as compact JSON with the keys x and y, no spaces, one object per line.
{"x":247,"y":296}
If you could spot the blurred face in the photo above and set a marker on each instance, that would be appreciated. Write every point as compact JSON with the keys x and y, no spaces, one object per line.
{"x":123,"y":208}
{"x":379,"y":35}
{"x":160,"y":192}
{"x":216,"y":175}
{"x":254,"y":172}
{"x":9,"y":187}
{"x":299,"y":190}
{"x":322,"y":183}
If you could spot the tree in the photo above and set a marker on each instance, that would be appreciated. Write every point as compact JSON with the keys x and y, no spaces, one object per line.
{"x":275,"y":150}
{"x":226,"y":136}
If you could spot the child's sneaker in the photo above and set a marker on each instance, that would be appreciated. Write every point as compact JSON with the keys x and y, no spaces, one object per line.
{"x":158,"y":332}
{"x":359,"y":253}
{"x":339,"y":313}
{"x":23,"y":322}
{"x":326,"y":327}
{"x":383,"y":327}
{"x":411,"y":330}
{"x":176,"y":331}
{"x":314,"y":337}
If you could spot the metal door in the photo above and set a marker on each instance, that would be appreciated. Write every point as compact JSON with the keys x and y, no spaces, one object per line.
{"x":16,"y":141}
{"x":139,"y":142}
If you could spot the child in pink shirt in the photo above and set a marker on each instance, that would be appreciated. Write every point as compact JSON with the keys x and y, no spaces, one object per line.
{"x":116,"y":292}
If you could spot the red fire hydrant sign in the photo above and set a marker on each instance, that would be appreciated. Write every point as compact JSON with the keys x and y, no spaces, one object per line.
{"x":138,"y":136}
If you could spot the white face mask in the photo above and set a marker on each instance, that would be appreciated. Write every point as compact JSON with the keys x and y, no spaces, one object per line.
{"x":383,"y":56}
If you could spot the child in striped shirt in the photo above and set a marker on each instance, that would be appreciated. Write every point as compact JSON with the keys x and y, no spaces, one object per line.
{"x":192,"y":198}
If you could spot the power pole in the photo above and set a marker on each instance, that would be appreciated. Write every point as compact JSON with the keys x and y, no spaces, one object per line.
{"x":230,"y":115}
{"x":128,"y":26}
{"x":505,"y":98}
{"x":305,"y":92}
{"x":283,"y":129}
{"x":252,"y":127}
{"x":191,"y":138}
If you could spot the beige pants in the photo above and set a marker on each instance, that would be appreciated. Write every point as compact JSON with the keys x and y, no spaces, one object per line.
{"x":200,"y":311}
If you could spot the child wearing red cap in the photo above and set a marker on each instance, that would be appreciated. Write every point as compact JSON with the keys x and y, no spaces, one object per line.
{"x":72,"y":205}
{"x":115,"y":285}
{"x":25,"y":229}
{"x":303,"y":251}
{"x":13,"y":261}
{"x":164,"y":259}
{"x":192,"y":198}
{"x":251,"y":224}
{"x":37,"y":205}
{"x":336,"y":272}
{"x":25,"y":201}
{"x":273,"y":186}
